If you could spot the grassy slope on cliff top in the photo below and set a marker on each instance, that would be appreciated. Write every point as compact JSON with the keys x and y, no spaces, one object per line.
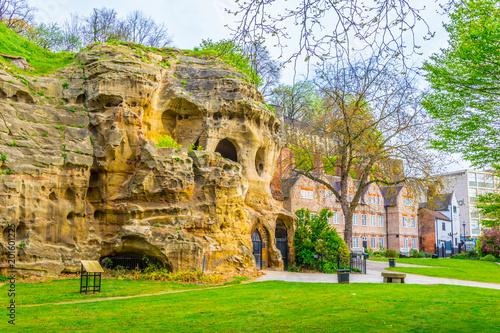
{"x":41,"y":60}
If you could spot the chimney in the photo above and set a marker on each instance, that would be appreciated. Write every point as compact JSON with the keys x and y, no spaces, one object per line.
{"x":318,"y":163}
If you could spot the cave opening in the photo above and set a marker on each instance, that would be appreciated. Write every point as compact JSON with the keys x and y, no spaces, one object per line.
{"x":227,"y":149}
{"x":131,"y":261}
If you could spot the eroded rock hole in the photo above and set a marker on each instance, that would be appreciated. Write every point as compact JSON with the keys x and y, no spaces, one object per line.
{"x":80,"y":99}
{"x":52,"y":196}
{"x":227,"y":149}
{"x":69,"y":194}
{"x":21,"y":232}
{"x":260,"y":160}
{"x":183,"y":121}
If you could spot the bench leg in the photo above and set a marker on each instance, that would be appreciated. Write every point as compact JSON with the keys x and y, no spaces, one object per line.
{"x":403,"y":280}
{"x":385,"y":280}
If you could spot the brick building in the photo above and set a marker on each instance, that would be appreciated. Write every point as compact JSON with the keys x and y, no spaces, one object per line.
{"x":433,"y":226}
{"x":376,"y":207}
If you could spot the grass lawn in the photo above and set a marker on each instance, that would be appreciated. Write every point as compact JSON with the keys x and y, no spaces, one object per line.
{"x":275,"y":306}
{"x":69,"y":290}
{"x":473,"y":270}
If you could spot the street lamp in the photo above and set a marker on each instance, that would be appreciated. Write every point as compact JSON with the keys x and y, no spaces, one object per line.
{"x":463,"y":223}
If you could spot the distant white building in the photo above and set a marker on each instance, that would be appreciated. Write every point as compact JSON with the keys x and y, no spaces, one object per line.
{"x":467,"y":185}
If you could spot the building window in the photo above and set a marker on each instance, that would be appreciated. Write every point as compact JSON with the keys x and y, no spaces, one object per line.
{"x":350,"y":196}
{"x":373,"y":223}
{"x":454,"y":209}
{"x":381,"y":221}
{"x":408,"y":202}
{"x":363,"y":220}
{"x":472,"y":194}
{"x":335,"y":217}
{"x":413,"y":222}
{"x":355,"y":241}
{"x":472,"y":179}
{"x":378,"y":200}
{"x":480,"y":180}
{"x":489,"y":181}
{"x":327,"y":194}
{"x":405,"y":222}
{"x":405,"y":242}
{"x":343,"y":218}
{"x":373,"y":243}
{"x":355,"y":219}
{"x":365,"y":241}
{"x":443,"y":226}
{"x":381,"y":242}
{"x":414,"y":243}
{"x":306,"y":194}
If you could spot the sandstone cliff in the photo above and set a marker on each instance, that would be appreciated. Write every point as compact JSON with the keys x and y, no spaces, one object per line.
{"x":81,"y":176}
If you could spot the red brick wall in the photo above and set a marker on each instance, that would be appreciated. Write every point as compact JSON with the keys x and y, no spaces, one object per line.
{"x":427,"y":231}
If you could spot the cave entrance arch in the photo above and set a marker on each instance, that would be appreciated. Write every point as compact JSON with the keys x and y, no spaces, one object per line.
{"x":227,"y":149}
{"x":282,"y":242}
{"x":257,"y":248}
{"x":132,"y":262}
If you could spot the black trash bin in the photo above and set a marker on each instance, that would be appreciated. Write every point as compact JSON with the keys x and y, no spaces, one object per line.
{"x":343,"y":275}
{"x":392,"y":262}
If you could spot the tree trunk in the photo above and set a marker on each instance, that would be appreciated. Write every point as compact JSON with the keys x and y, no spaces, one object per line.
{"x":348,"y":227}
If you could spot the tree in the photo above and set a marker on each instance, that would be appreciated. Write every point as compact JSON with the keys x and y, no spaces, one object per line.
{"x":233,"y":55}
{"x":102,"y":25}
{"x":373,"y":129}
{"x":264,"y":66}
{"x":465,"y":83}
{"x":16,"y":14}
{"x":314,"y":235}
{"x":47,"y":36}
{"x":330,"y":29}
{"x":144,"y":30}
{"x":298,"y":100}
{"x":71,"y":36}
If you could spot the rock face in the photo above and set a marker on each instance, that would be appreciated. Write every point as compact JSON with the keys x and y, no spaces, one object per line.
{"x":81,"y":176}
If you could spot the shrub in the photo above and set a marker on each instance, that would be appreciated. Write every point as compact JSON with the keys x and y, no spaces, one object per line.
{"x":390,"y":253}
{"x":315,"y":235}
{"x":165,"y":141}
{"x":489,"y":257}
{"x":490,"y":241}
{"x":4,"y":157}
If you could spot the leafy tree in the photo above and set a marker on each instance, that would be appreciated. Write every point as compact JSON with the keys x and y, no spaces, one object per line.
{"x":465,"y":82}
{"x":372,"y":128}
{"x":298,"y":101}
{"x":232,"y":54}
{"x":315,"y":235}
{"x":490,"y":241}
{"x":47,"y":36}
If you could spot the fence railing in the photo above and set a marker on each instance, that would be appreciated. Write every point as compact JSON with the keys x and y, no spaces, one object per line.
{"x":357,"y":262}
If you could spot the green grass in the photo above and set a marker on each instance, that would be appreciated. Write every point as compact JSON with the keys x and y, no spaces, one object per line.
{"x":280,"y":307}
{"x":41,"y":60}
{"x":68,"y":290}
{"x":473,"y":270}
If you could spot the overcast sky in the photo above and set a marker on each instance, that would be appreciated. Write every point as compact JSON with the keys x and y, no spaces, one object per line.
{"x":191,"y":21}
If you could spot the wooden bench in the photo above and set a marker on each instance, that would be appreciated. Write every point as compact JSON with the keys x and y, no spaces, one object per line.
{"x":393,"y":277}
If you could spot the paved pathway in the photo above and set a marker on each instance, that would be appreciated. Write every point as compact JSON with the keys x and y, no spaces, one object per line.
{"x":373,"y":275}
